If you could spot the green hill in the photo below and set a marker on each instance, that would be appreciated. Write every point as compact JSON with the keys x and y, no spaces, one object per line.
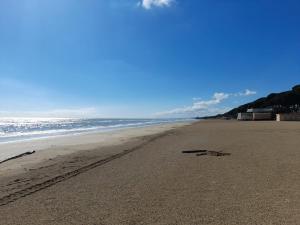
{"x":288,"y":101}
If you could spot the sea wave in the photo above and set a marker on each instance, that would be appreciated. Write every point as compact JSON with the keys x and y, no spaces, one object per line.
{"x":15,"y":129}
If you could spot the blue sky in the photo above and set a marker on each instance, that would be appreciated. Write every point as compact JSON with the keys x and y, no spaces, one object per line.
{"x":132,"y":58}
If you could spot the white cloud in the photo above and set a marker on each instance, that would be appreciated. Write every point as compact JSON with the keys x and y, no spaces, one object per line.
{"x":248,"y":92}
{"x":206,"y":107}
{"x":245,"y":93}
{"x":197,"y":99}
{"x":148,"y":4}
{"x":202,"y":106}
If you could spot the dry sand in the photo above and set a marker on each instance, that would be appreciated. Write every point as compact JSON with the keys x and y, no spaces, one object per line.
{"x":148,"y":180}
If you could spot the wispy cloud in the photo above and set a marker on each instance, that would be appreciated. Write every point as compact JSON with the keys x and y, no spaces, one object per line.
{"x":198,"y":106}
{"x":148,"y":4}
{"x":206,"y":107}
{"x":197,"y":98}
{"x":247,"y":92}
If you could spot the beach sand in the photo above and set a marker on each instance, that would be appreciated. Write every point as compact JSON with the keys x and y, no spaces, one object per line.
{"x":148,"y":180}
{"x":54,"y":147}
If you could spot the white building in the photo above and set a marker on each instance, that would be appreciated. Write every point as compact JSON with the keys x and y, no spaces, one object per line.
{"x":288,"y":117}
{"x":245,"y":116}
{"x":257,"y":114}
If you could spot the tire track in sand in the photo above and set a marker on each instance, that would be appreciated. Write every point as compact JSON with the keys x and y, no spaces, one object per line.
{"x":12,"y":197}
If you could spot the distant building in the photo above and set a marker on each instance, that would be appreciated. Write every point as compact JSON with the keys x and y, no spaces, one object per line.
{"x":288,"y":116}
{"x":256,"y":114}
{"x":262,"y":116}
{"x":245,"y":116}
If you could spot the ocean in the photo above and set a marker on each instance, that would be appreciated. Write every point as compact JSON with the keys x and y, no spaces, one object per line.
{"x":18,"y":129}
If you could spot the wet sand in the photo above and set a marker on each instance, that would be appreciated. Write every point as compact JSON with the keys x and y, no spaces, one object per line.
{"x":148,"y":180}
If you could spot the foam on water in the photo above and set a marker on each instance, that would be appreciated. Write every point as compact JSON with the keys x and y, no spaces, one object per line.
{"x":16,"y":129}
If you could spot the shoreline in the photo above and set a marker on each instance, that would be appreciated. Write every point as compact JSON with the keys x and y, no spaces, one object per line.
{"x":82,"y":131}
{"x":57,"y":146}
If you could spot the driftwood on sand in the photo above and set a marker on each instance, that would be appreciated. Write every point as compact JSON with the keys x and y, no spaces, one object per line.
{"x":206,"y":152}
{"x":18,"y":156}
